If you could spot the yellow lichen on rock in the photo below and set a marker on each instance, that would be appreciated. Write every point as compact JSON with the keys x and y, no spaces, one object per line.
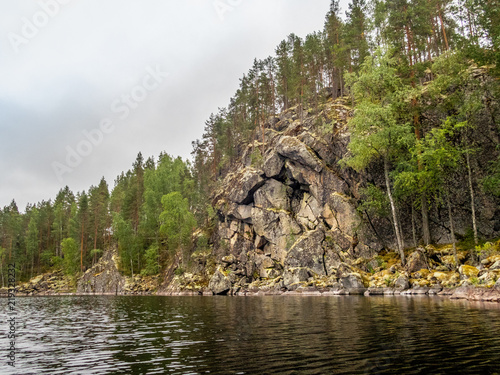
{"x":468,"y":271}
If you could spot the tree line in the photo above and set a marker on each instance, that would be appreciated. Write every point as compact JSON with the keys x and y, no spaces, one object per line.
{"x":417,"y":31}
{"x":424,"y":110}
{"x":148,"y":215}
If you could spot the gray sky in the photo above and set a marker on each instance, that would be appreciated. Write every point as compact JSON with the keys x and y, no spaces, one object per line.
{"x":87,"y":84}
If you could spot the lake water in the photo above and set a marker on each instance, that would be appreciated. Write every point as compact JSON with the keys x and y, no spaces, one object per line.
{"x":253,"y":335}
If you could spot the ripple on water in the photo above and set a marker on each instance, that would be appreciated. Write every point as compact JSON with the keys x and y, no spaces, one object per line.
{"x":271,"y":335}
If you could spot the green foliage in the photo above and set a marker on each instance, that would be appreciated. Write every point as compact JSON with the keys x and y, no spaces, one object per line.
{"x":475,"y":281}
{"x":3,"y":264}
{"x":491,"y":182}
{"x":170,"y":175}
{"x":57,"y":262}
{"x":370,"y":268}
{"x":439,"y":157}
{"x":487,"y":249}
{"x":374,"y":201}
{"x":128,"y":244}
{"x":70,"y":253}
{"x":388,"y":280}
{"x":177,"y":221}
{"x":32,"y":238}
{"x":99,"y":217}
{"x":378,"y":130}
{"x":152,"y":261}
{"x":325,"y":127}
{"x":46,"y":258}
{"x":179,"y":271}
{"x":202,"y":243}
{"x":381,"y":262}
{"x":96,"y":253}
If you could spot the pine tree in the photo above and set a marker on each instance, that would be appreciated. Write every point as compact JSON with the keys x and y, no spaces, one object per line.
{"x":32,"y":239}
{"x":284,"y":75}
{"x":177,"y":222}
{"x":356,"y":34}
{"x":69,"y":249}
{"x":3,"y":265}
{"x":83,"y":213}
{"x":440,"y":159}
{"x":377,"y":129}
{"x":99,"y":214}
{"x":336,"y":59}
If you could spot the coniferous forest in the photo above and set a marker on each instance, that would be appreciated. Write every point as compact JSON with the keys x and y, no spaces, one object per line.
{"x":421,"y":111}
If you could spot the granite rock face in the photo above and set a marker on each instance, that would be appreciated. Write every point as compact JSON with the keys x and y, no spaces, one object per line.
{"x":103,"y":277}
{"x":219,"y":284}
{"x":289,"y":215}
{"x":292,"y":216}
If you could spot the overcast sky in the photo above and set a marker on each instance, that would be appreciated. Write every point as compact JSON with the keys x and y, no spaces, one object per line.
{"x":87,"y":84}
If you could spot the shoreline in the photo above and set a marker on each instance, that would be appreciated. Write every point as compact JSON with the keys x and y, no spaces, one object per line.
{"x":469,"y":293}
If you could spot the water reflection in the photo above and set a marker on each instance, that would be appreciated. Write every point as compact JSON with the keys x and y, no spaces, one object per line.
{"x":256,"y":335}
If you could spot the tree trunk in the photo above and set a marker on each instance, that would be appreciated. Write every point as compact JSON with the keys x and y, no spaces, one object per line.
{"x":442,"y":27}
{"x":474,"y":226}
{"x":285,"y":97}
{"x":425,"y":221}
{"x":452,"y":230}
{"x":81,"y":250}
{"x":408,"y":39}
{"x":413,"y":231}
{"x":393,"y":209}
{"x":423,"y":199}
{"x":434,"y":33}
{"x":95,"y":230}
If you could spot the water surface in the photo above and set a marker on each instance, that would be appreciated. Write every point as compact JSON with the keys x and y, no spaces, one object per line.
{"x":254,"y":335}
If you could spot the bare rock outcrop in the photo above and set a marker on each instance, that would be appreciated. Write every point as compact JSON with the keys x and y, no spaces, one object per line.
{"x":292,"y":216}
{"x":290,"y":219}
{"x":103,"y":277}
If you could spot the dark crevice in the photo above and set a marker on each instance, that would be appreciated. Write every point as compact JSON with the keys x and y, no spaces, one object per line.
{"x":249,"y":197}
{"x":324,"y":262}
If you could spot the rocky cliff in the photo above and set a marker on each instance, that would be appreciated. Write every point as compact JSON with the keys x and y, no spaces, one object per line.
{"x":103,"y":277}
{"x":288,"y":213}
